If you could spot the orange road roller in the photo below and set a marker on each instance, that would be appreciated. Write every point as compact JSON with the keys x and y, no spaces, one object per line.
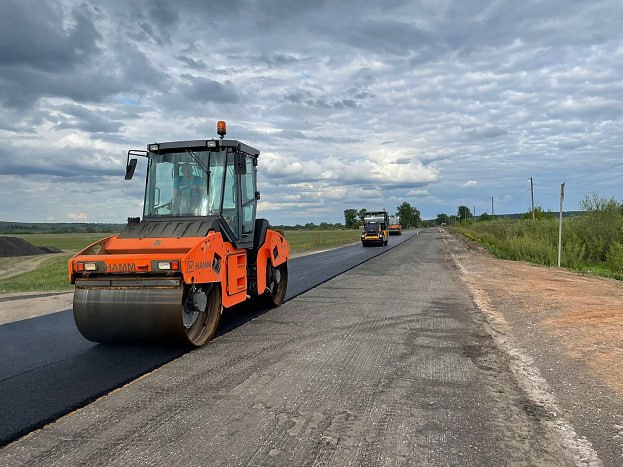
{"x":197,"y":250}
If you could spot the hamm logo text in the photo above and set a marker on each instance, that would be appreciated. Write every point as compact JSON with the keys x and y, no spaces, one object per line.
{"x":124,"y":267}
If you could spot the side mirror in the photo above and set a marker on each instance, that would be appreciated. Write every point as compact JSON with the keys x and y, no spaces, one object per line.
{"x":257,"y":195}
{"x":130,"y":164}
{"x":130,"y":168}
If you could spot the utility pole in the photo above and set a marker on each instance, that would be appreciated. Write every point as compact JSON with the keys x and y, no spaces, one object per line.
{"x":492,"y":211}
{"x":562,"y":197}
{"x":532,"y":196}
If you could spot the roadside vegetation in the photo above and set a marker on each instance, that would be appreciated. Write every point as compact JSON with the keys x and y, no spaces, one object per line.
{"x":309,"y":240}
{"x":52,"y":273}
{"x":591,"y":242}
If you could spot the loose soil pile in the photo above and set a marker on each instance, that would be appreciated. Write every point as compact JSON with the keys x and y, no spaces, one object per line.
{"x":14,"y":246}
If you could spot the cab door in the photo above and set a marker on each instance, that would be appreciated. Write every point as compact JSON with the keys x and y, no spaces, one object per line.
{"x":248,"y":199}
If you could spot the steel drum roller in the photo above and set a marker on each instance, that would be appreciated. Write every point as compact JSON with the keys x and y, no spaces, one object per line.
{"x":116,"y":314}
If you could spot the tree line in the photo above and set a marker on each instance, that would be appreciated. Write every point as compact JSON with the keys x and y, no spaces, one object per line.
{"x":20,"y":228}
{"x":409,"y":216}
{"x":464,"y":215}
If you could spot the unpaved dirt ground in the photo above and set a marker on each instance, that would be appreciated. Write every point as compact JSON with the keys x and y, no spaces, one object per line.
{"x":19,"y":306}
{"x":570,"y":325}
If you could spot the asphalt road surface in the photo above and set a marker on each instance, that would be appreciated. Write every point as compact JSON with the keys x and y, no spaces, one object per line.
{"x":387,"y":364}
{"x":48,"y":369}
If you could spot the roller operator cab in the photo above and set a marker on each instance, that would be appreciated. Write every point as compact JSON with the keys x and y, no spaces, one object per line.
{"x":197,"y":250}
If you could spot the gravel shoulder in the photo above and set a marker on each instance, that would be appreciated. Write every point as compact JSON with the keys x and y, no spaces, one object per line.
{"x":26,"y":305}
{"x":568,"y":325}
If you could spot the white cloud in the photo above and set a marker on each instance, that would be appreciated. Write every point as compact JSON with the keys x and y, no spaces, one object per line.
{"x":77,"y":217}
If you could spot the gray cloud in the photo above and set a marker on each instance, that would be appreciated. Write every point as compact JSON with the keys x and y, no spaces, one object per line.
{"x":489,"y":131}
{"x":36,"y":37}
{"x":204,"y":90}
{"x":192,"y":63}
{"x":41,"y":57}
{"x":79,"y":117}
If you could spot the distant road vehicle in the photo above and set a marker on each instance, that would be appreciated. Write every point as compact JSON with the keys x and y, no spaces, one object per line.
{"x":394,"y":227}
{"x":375,"y":228}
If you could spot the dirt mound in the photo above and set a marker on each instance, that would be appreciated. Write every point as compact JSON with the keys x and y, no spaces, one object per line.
{"x":14,"y":246}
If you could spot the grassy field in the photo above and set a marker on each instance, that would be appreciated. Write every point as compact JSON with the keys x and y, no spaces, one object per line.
{"x":309,"y":240}
{"x":52,"y":273}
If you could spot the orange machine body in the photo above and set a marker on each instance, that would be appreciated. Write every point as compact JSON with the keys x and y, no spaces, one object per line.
{"x":394,"y":229}
{"x":194,"y":260}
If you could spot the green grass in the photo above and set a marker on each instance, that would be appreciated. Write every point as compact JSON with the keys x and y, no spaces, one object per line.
{"x":309,"y":240}
{"x":53,"y":275}
{"x":50,"y":275}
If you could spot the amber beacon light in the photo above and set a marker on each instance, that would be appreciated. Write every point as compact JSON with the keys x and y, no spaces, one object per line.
{"x":221,"y":128}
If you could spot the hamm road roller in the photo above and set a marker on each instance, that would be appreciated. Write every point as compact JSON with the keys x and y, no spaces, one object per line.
{"x":197,"y":249}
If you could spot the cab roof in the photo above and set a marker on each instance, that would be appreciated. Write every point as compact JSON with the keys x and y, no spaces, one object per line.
{"x":203,"y":144}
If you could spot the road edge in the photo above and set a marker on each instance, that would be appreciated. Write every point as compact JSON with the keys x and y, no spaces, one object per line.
{"x":525,"y":372}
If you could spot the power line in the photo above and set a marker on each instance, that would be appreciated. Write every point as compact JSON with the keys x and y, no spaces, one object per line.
{"x":596,"y":172}
{"x":584,"y":175}
{"x":598,"y":181}
{"x":605,"y":188}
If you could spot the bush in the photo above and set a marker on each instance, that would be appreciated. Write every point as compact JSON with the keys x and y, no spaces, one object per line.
{"x":614,"y":258}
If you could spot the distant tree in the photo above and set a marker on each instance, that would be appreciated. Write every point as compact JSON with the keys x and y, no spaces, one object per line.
{"x":350,"y":218}
{"x":442,"y":219}
{"x":464,"y":213}
{"x":485,"y":217}
{"x":362,"y":214}
{"x":409,"y":215}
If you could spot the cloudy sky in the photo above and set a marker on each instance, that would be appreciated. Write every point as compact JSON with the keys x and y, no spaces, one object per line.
{"x":353,"y":104}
